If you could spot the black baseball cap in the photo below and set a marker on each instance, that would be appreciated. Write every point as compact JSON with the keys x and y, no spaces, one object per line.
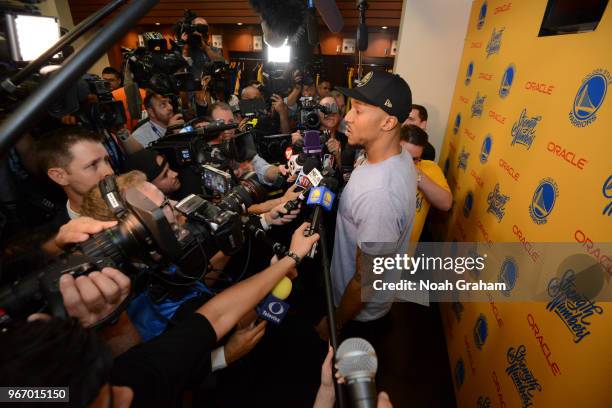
{"x":385,"y":90}
{"x":145,"y":161}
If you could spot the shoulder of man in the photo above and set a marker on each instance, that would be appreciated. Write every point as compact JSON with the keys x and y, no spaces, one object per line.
{"x":435,"y":173}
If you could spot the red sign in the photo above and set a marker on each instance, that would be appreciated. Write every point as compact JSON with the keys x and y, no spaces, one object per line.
{"x":539,"y":87}
{"x":527,"y":246}
{"x":567,"y":155}
{"x":514,"y":174}
{"x":498,"y":117}
{"x":543,"y":345}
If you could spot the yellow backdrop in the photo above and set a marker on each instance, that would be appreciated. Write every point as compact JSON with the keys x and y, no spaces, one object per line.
{"x":529,"y":161}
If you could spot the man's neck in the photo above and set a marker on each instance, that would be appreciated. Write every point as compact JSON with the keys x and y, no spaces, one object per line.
{"x":157,"y":123}
{"x":383,"y":148}
{"x":74,"y":200}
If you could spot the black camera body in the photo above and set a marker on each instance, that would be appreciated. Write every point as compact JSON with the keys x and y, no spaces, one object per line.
{"x":309,"y":113}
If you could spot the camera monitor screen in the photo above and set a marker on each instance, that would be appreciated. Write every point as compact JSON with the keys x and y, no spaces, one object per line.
{"x":30,"y":36}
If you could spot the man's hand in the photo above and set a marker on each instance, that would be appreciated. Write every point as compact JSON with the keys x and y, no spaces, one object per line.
{"x":296,"y":136}
{"x":79,"y":230}
{"x":301,"y":245}
{"x":293,"y":272}
{"x":322,"y":329}
{"x":176,"y":120}
{"x":279,"y":105}
{"x":242,"y":341}
{"x":290,"y":194}
{"x":279,"y":215}
{"x":333,"y":145}
{"x":93,"y":297}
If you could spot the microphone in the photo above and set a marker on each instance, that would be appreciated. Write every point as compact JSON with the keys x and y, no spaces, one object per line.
{"x":362,"y":29}
{"x":312,"y":25}
{"x":272,"y":308}
{"x":312,"y":142}
{"x":321,"y":197}
{"x":357,"y":363}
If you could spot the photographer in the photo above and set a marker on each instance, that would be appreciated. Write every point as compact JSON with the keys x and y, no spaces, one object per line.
{"x":161,"y":116}
{"x":197,"y":50}
{"x":279,"y":113}
{"x":76,"y":160}
{"x":153,"y":373}
{"x":156,"y":168}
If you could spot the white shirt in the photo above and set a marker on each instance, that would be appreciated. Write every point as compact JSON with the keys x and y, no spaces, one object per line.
{"x":71,"y":213}
{"x":148,"y":133}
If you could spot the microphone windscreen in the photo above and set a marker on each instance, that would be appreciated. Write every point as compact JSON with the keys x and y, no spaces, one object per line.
{"x":362,"y":37}
{"x":356,"y":358}
{"x":312,"y":27}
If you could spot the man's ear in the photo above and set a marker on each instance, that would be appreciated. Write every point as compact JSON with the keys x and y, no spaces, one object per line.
{"x":389,"y":123}
{"x":58,"y":175}
{"x":424,"y":125}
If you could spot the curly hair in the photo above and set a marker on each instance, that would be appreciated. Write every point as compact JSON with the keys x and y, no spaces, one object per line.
{"x":94,"y":205}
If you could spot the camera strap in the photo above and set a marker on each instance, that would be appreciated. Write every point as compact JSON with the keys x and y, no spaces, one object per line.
{"x":112,"y":197}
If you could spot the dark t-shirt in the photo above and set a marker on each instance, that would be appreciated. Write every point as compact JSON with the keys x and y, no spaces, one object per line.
{"x":159,"y":370}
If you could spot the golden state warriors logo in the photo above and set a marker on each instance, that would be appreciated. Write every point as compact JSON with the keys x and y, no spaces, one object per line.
{"x":469,"y":72}
{"x":508,"y":275}
{"x":481,"y":331}
{"x":590,"y":97}
{"x":478,"y":105}
{"x":543,"y":201}
{"x":468,"y":204}
{"x":607,"y":193}
{"x":495,"y":42}
{"x":506,"y":81}
{"x":463,"y":158}
{"x":485,"y":150}
{"x":365,"y":79}
{"x":497,"y":203}
{"x":523,"y":130}
{"x":457,"y":124}
{"x":327,"y":199}
{"x":482,"y":14}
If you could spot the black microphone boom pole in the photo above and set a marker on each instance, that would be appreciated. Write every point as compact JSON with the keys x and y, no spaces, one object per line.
{"x":74,"y":67}
{"x":362,"y":36}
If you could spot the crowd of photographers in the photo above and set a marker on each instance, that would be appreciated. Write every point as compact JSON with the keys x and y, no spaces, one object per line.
{"x":142,"y":234}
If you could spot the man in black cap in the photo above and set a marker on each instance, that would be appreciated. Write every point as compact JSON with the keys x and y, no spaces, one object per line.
{"x":156,"y":168}
{"x":377,"y":205}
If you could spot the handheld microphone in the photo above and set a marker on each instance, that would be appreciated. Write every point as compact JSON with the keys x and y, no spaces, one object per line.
{"x":357,"y":363}
{"x":321,"y":197}
{"x":272,"y":308}
{"x":362,"y":29}
{"x":312,"y":142}
{"x":312,"y":25}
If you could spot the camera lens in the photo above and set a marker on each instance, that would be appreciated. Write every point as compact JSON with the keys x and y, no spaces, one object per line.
{"x":313,"y":121}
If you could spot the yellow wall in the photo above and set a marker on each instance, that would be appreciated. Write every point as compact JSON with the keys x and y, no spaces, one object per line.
{"x":570,"y":162}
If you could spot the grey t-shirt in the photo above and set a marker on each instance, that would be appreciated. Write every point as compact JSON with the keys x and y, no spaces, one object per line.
{"x":376,"y":206}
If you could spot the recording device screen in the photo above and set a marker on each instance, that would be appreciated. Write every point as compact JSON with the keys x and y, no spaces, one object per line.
{"x":30,"y":36}
{"x":216,"y":180}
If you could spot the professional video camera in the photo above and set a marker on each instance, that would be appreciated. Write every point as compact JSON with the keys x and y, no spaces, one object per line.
{"x":195,"y":32}
{"x":309,"y":113}
{"x":161,"y":69}
{"x":176,"y":255}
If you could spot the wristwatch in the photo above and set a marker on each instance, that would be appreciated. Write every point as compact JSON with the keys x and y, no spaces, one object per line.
{"x":296,"y":258}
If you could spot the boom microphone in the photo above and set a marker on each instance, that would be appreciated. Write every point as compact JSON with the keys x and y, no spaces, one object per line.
{"x":312,"y":25}
{"x":357,"y":363}
{"x":362,"y":29}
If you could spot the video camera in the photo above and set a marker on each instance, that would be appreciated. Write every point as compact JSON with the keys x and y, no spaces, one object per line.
{"x":163,"y":70}
{"x":309,"y":113}
{"x":195,"y":32}
{"x":176,"y":255}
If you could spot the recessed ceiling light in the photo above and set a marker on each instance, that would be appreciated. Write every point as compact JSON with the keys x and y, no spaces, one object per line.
{"x":157,"y":24}
{"x":239,"y":23}
{"x":384,"y":27}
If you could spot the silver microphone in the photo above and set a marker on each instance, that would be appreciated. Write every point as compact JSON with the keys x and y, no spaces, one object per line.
{"x":357,"y":363}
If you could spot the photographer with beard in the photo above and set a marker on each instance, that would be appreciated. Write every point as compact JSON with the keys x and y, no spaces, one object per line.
{"x":197,"y":50}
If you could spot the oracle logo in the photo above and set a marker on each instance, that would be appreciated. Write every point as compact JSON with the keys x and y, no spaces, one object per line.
{"x":514,"y":174}
{"x":469,"y":134}
{"x":527,"y":246}
{"x":502,"y":8}
{"x":539,"y":87}
{"x":567,"y":155}
{"x":476,"y":45}
{"x":485,"y":76}
{"x":463,"y":99}
{"x":497,"y":117}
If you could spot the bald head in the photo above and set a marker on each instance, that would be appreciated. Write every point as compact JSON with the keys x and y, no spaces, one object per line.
{"x":250,"y":93}
{"x":200,"y":20}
